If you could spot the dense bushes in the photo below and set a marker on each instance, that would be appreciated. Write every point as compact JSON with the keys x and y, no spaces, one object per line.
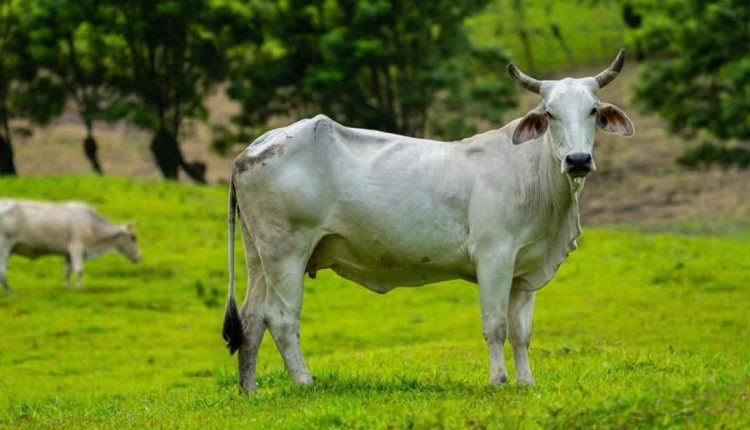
{"x":399,"y":66}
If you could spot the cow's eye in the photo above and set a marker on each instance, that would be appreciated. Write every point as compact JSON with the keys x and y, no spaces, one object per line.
{"x":550,"y":116}
{"x":593,"y":111}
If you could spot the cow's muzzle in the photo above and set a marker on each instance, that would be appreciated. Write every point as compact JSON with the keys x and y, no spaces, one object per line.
{"x":579,"y":164}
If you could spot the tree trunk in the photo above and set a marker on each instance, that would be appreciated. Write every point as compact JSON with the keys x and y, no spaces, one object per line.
{"x":169,"y":158}
{"x":166,"y":153}
{"x":517,"y":5}
{"x":90,"y":148}
{"x":564,"y":45}
{"x":7,"y":165}
{"x":196,"y":170}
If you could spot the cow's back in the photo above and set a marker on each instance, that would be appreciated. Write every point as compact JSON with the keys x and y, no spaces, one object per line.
{"x":40,"y":228}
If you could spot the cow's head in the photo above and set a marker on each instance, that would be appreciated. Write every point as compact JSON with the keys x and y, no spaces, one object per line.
{"x":569,"y":111}
{"x":125,"y":243}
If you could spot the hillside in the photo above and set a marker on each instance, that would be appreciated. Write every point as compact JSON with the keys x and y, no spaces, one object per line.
{"x":637,"y":179}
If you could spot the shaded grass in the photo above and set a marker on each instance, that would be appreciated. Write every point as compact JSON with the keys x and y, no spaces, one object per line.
{"x":637,"y":330}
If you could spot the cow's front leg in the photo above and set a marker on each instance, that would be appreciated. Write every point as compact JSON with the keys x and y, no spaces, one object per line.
{"x":76,"y":260}
{"x":495,"y":278}
{"x":521,"y":309}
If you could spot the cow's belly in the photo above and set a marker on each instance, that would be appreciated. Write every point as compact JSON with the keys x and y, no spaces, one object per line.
{"x":35,"y":250}
{"x":381,"y":270}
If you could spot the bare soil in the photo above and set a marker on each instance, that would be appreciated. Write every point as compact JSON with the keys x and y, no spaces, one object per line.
{"x":637,"y":180}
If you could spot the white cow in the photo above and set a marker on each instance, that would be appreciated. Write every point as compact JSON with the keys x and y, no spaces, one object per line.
{"x":385,"y":210}
{"x":73,"y":230}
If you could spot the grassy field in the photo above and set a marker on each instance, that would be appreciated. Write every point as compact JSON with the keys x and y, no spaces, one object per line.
{"x":592,"y":31}
{"x":637,"y":330}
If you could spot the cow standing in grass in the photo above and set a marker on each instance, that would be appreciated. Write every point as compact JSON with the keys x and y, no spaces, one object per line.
{"x":73,"y":230}
{"x":499,"y":209}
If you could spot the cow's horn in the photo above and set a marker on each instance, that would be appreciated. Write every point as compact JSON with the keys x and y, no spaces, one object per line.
{"x":610,"y":73}
{"x":526,"y":81}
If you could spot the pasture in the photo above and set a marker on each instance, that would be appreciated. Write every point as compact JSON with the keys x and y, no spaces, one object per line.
{"x":637,"y":330}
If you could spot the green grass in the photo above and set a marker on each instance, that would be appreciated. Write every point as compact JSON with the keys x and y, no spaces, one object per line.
{"x":637,"y":330}
{"x":594,"y":31}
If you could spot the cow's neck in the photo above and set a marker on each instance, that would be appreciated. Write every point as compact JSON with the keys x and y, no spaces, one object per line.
{"x":562,"y":191}
{"x":102,"y":241}
{"x":551,"y":212}
{"x":557,"y":199}
{"x":548,"y":192}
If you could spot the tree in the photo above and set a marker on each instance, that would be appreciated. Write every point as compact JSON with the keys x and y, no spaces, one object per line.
{"x":169,"y":55}
{"x":699,"y":77}
{"x":67,"y":41}
{"x":13,"y":65}
{"x":385,"y":64}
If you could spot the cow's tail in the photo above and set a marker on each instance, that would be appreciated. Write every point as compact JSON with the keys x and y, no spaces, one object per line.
{"x":232,"y":331}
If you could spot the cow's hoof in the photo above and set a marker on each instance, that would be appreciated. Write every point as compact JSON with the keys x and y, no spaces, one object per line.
{"x":244,"y":392}
{"x":499,"y":380}
{"x":247,"y":389}
{"x":529,"y":382}
{"x":303,"y":380}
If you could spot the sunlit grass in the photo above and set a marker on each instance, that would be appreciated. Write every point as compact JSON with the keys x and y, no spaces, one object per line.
{"x":593,"y":31}
{"x":638,"y":329}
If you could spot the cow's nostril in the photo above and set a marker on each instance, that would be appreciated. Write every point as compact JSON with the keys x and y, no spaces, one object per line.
{"x":578,"y":164}
{"x":578,"y":159}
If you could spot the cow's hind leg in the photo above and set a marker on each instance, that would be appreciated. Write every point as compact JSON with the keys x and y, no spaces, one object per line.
{"x":252,"y":316}
{"x":68,"y":269}
{"x":4,"y":255}
{"x":520,"y":311}
{"x":284,"y":269}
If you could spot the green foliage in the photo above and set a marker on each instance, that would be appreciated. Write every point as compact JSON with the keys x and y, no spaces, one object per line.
{"x":636,"y":331}
{"x":385,"y":65}
{"x":26,"y":91}
{"x":708,"y":154}
{"x":66,"y":40}
{"x":169,"y":55}
{"x":699,"y":76}
{"x":19,"y":95}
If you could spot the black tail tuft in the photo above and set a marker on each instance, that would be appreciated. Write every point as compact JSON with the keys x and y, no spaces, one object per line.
{"x":232,"y":332}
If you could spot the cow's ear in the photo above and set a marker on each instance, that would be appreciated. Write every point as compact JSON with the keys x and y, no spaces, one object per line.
{"x":610,"y":119}
{"x":533,"y":125}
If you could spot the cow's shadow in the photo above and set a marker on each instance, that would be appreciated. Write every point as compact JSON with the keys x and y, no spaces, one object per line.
{"x":101,"y":289}
{"x":347,"y":385}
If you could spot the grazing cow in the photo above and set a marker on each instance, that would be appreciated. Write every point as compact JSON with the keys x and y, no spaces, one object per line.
{"x":499,"y":209}
{"x":73,"y":230}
